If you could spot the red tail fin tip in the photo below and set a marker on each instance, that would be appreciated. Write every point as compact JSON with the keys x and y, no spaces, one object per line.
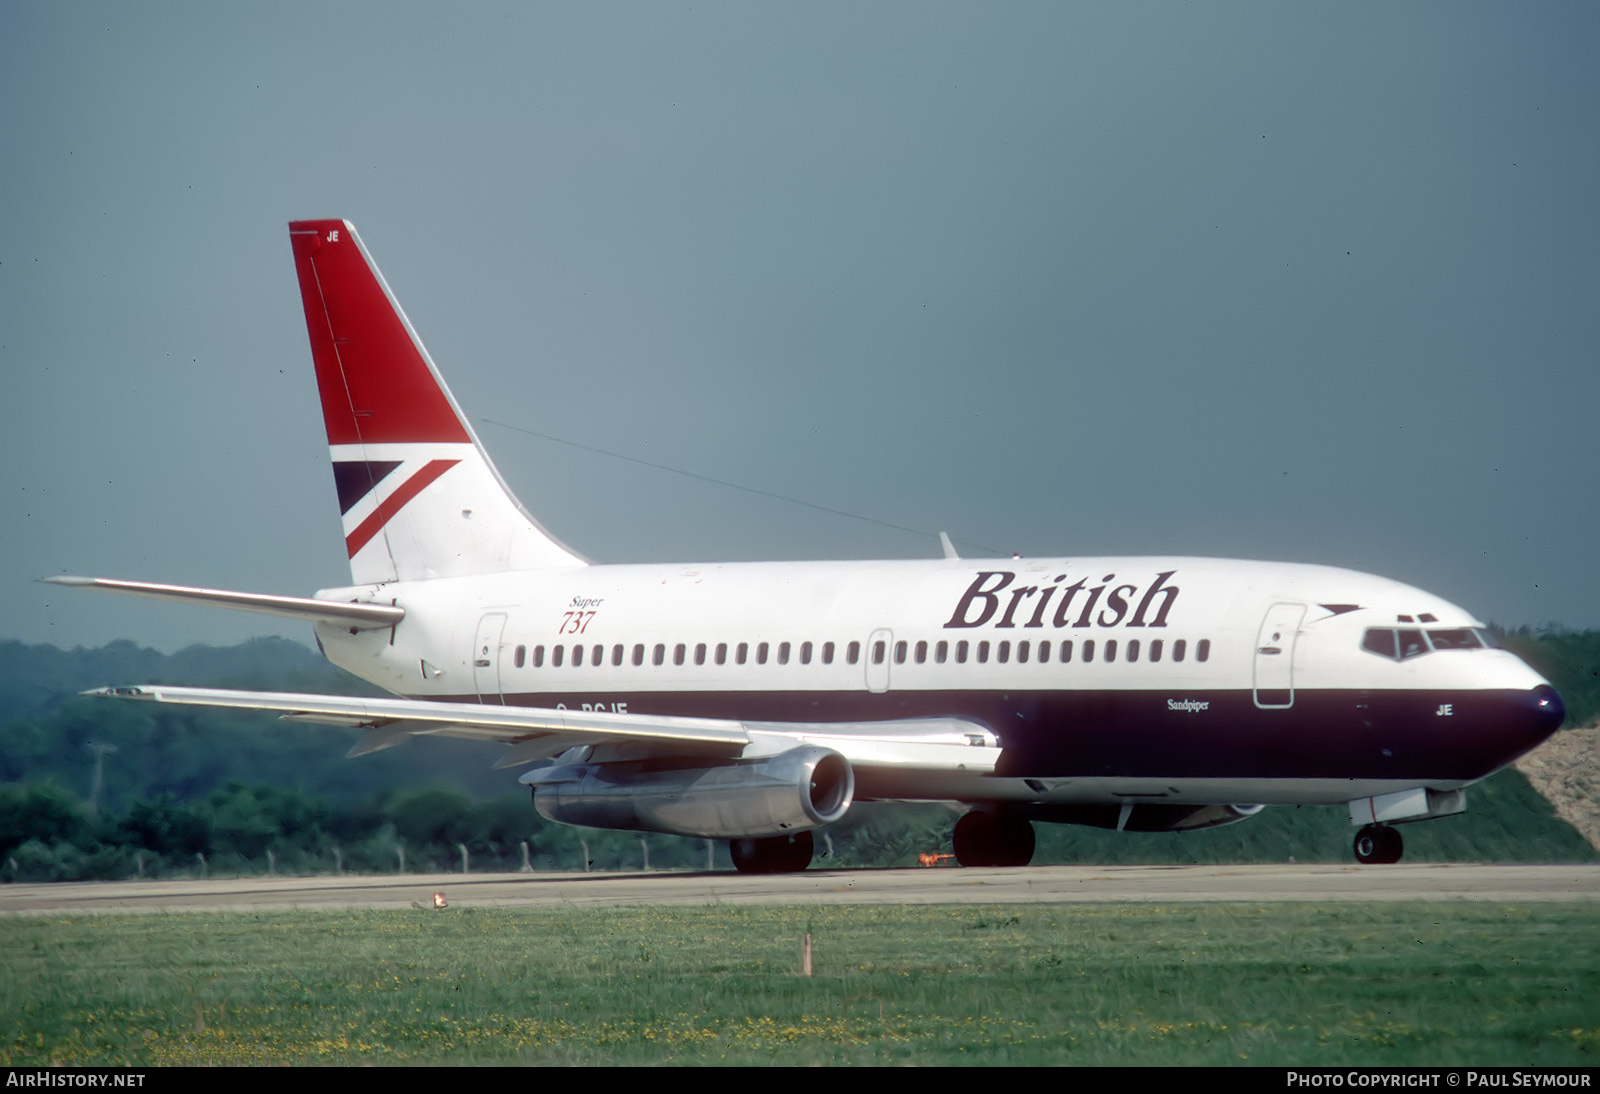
{"x":418,"y":495}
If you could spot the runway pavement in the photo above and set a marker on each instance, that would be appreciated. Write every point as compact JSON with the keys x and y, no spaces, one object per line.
{"x":1032,"y":885}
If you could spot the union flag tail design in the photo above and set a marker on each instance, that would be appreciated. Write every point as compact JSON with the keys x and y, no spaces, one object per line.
{"x":419,"y":496}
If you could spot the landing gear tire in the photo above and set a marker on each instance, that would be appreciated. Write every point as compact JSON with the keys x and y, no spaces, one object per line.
{"x":986,"y":839}
{"x":776,"y":855}
{"x":1378,"y":844}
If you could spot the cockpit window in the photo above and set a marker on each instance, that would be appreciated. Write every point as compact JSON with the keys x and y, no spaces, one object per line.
{"x":1379,"y":640}
{"x":1402,"y":643}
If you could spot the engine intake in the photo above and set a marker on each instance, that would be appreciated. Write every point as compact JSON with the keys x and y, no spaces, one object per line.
{"x":795,"y":791}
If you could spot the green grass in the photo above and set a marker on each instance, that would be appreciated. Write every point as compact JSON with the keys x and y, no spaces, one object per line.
{"x":1420,"y":984}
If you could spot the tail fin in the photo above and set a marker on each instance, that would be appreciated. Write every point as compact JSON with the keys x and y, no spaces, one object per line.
{"x":419,"y":496}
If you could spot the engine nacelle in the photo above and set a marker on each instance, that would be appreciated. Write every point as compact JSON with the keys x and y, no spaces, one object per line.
{"x":795,"y":791}
{"x":1145,"y":816}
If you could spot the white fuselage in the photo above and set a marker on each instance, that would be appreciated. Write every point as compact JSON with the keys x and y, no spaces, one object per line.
{"x":1176,"y":679}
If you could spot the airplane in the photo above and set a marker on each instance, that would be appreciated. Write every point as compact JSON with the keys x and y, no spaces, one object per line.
{"x":756,"y":702}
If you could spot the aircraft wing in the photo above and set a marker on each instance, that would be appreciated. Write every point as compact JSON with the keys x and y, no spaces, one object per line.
{"x":390,"y":721}
{"x":536,"y":733}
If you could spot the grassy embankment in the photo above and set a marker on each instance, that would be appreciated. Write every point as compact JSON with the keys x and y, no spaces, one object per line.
{"x":1290,"y":984}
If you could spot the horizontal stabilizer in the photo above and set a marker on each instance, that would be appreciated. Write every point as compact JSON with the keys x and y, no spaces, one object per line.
{"x":356,"y":616}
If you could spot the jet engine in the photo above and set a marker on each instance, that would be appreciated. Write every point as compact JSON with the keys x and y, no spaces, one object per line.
{"x":794,"y":791}
{"x":1145,"y":816}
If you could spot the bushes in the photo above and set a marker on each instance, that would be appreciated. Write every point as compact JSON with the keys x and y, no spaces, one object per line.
{"x":48,"y":835}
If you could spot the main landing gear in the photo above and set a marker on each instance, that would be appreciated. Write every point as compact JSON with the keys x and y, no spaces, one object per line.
{"x":992,"y":839}
{"x":1378,"y":844}
{"x":775,"y":855}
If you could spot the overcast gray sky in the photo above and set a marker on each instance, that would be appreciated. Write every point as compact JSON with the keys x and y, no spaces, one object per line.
{"x":1303,"y":282}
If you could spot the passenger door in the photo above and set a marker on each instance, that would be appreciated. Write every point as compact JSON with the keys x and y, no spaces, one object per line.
{"x":1274,"y":656}
{"x":486,"y":658}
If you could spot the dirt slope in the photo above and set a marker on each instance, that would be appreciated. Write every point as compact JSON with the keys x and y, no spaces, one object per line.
{"x":1566,"y":770}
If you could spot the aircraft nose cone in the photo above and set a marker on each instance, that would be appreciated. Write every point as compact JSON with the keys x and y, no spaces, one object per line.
{"x":1547,"y":708}
{"x":1515,"y":723}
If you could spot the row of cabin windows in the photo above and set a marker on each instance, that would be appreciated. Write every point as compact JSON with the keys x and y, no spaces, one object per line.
{"x":963,"y":650}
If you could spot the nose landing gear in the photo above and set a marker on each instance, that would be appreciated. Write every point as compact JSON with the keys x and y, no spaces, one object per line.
{"x":1378,"y":844}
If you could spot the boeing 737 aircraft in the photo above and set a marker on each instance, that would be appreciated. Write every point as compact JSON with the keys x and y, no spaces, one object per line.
{"x":755,"y":702}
